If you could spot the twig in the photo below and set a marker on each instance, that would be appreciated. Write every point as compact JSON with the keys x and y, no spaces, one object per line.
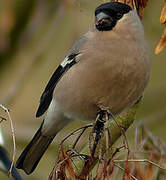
{"x":13,"y":136}
{"x":79,"y":136}
{"x":150,"y":152}
{"x":117,"y":150}
{"x":142,"y":160}
{"x":123,"y":134}
{"x":76,"y":131}
{"x":125,"y":170}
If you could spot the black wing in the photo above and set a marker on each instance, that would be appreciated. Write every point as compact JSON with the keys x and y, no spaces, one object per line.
{"x":47,"y":95}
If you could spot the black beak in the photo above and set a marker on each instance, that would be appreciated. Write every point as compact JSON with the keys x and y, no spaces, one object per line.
{"x":103,"y":18}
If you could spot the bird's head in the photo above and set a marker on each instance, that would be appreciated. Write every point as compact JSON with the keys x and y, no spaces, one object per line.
{"x":108,"y":14}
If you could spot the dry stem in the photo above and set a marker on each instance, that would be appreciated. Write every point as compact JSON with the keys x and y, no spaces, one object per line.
{"x":13,"y":136}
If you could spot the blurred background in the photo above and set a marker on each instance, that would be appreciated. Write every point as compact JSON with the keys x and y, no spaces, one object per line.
{"x":34,"y":38}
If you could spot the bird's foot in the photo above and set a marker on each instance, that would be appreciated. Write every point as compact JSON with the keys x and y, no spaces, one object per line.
{"x":2,"y":119}
{"x":98,"y":128}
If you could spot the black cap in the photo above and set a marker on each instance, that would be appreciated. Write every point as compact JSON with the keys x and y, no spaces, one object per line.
{"x":113,"y":7}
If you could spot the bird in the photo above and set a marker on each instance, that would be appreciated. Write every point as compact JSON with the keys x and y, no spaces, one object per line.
{"x":108,"y":66}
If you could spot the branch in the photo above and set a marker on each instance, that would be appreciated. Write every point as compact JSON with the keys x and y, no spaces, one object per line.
{"x":142,"y":160}
{"x":84,"y":161}
{"x":13,"y":136}
{"x":124,"y":120}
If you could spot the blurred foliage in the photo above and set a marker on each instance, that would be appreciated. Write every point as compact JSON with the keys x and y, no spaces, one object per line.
{"x":146,"y":161}
{"x":35,"y":36}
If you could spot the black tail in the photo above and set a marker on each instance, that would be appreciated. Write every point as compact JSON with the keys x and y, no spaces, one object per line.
{"x":32,"y":154}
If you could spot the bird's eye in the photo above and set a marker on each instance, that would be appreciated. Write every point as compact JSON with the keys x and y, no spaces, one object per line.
{"x":119,"y":15}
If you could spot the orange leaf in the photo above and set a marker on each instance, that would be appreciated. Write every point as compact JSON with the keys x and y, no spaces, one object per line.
{"x":89,"y":162}
{"x":133,"y":3}
{"x":149,"y":170}
{"x":139,"y":172}
{"x":163,"y":14}
{"x":68,"y":165}
{"x":111,"y":168}
{"x":126,"y":175}
{"x":161,"y":43}
{"x":100,"y":171}
{"x":142,"y":3}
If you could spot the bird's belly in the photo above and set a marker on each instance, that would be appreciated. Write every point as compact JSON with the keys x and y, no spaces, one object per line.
{"x":85,"y":92}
